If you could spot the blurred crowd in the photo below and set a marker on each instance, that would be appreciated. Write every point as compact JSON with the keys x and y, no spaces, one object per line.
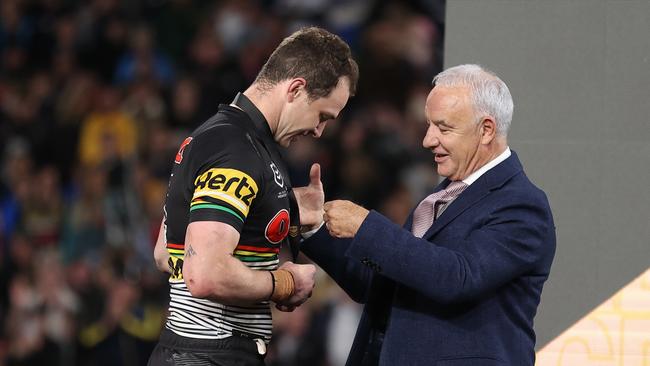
{"x":95,"y":99}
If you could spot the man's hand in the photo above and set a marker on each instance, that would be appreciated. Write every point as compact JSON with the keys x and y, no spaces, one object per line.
{"x":303,"y":284}
{"x":343,"y":218}
{"x":311,"y":199}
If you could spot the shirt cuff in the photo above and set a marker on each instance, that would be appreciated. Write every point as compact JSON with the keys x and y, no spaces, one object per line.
{"x":307,"y":234}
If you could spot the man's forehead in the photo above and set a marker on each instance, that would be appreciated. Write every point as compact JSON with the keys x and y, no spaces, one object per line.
{"x":447,"y":97}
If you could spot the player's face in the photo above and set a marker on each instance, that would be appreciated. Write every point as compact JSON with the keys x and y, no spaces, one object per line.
{"x":303,"y":117}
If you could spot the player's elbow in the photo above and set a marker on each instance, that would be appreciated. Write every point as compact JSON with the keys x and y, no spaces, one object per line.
{"x":198,"y":289}
{"x":198,"y":286}
{"x":202,"y":286}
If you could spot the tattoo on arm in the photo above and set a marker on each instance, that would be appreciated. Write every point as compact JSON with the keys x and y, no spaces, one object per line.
{"x":190,"y":251}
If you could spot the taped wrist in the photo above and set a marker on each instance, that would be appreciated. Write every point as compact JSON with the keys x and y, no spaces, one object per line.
{"x":283,"y":285}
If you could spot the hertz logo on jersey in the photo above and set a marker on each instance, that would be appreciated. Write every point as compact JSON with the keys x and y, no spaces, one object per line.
{"x":231,"y":186}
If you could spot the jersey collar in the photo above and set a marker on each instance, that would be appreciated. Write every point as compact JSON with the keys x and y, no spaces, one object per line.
{"x":260,"y":123}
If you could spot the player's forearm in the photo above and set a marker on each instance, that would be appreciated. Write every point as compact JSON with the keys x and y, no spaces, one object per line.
{"x":241,"y":285}
{"x":160,"y":253}
{"x":161,"y":258}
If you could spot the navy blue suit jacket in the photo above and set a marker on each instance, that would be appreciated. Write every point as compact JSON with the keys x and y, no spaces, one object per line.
{"x":463,"y":295}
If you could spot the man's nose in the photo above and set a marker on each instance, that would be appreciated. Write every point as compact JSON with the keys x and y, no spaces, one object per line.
{"x":430,"y":139}
{"x":318,"y":131}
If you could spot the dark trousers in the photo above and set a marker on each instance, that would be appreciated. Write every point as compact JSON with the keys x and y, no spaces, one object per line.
{"x":174,"y":350}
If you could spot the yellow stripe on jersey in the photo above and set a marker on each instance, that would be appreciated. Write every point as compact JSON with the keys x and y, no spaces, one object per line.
{"x":228,"y":185}
{"x":254,"y":254}
{"x":222,"y":197}
{"x":176,"y":252}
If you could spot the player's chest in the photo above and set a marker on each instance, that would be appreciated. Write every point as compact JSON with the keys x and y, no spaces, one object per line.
{"x":269,"y":218}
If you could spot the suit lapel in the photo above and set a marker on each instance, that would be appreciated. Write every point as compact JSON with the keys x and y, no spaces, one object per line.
{"x":409,"y":221}
{"x":492,"y":179}
{"x":467,"y":199}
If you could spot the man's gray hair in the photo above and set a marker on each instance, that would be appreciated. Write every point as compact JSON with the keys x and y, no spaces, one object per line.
{"x":490,"y":95}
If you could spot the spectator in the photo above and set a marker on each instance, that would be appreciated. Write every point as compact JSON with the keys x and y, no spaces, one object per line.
{"x":143,"y":61}
{"x":108,"y":134}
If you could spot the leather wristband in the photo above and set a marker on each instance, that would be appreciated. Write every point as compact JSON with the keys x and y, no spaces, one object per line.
{"x":283,"y":285}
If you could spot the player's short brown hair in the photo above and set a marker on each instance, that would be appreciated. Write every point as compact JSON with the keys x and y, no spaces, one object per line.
{"x":316,"y":55}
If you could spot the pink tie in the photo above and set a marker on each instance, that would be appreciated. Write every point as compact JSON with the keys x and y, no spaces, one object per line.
{"x":427,"y":209}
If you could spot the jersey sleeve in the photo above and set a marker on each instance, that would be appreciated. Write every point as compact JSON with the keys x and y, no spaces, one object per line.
{"x":226,"y":183}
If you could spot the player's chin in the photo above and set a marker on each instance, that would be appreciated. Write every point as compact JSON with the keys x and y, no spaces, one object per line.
{"x":286,"y":142}
{"x":290,"y":140}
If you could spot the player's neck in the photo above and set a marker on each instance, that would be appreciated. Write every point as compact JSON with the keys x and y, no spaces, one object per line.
{"x":266,"y":101}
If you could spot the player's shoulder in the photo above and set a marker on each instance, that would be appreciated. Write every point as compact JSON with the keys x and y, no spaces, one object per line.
{"x":222,"y":126}
{"x":224,"y":133}
{"x":223,"y":143}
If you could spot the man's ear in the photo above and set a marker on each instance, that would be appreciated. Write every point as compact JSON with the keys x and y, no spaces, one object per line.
{"x":296,"y":86}
{"x":488,"y":129}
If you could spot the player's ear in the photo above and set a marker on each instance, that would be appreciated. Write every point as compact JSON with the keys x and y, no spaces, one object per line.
{"x":295,"y":88}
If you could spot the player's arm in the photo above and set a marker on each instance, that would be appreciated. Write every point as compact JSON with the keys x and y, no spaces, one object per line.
{"x":160,"y":253}
{"x":211,"y":271}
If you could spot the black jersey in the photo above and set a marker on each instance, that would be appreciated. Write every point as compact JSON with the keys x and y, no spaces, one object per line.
{"x":228,"y":170}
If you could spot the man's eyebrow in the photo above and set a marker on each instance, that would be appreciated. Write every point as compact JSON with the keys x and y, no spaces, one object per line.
{"x":441,"y":123}
{"x":325,"y":116}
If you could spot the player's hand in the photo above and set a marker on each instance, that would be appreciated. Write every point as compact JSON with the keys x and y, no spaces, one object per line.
{"x":303,"y":284}
{"x":343,"y":218}
{"x":285,"y":308}
{"x":311,"y":199}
